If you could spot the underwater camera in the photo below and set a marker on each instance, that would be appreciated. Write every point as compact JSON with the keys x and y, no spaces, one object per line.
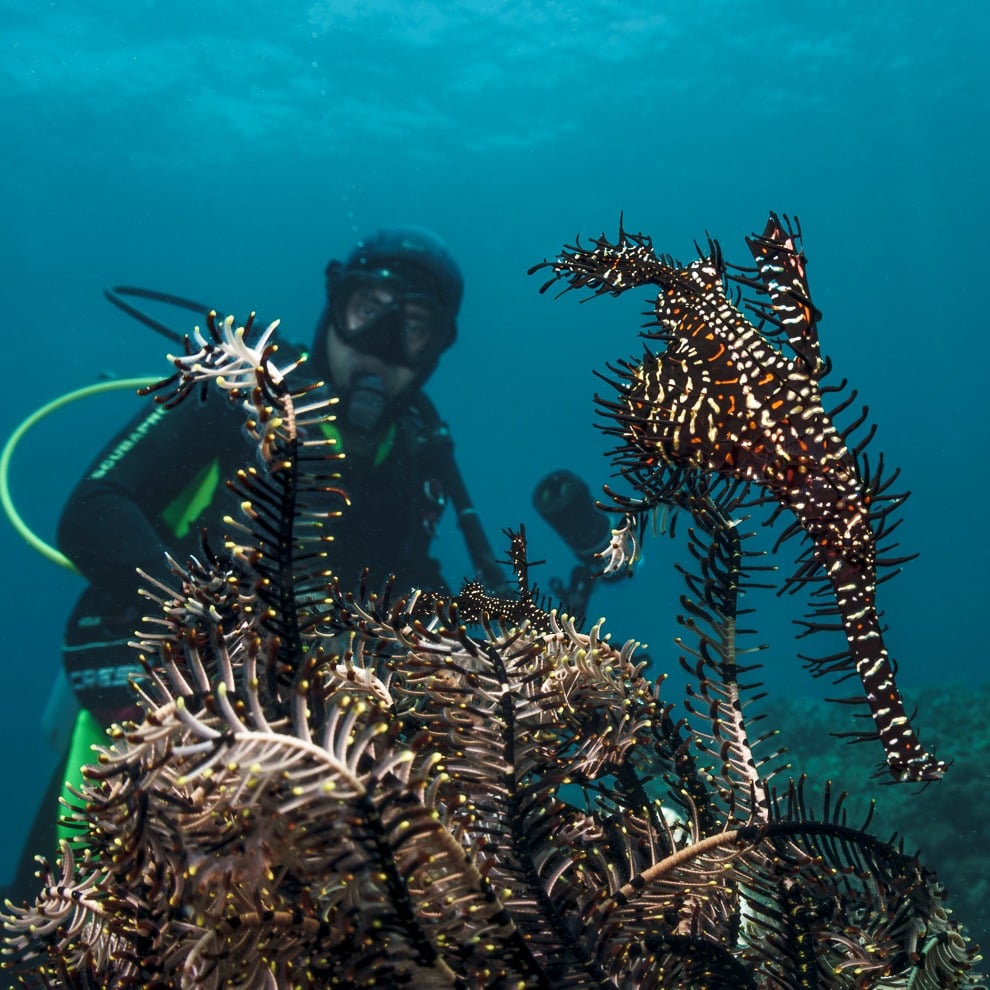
{"x":565,"y":502}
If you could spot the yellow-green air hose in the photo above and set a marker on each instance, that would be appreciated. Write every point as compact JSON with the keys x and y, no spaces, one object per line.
{"x":45,"y":549}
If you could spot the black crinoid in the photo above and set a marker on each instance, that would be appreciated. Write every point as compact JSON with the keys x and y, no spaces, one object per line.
{"x":350,"y":788}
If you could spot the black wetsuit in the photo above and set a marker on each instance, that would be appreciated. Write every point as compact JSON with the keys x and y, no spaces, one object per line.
{"x":162,"y":478}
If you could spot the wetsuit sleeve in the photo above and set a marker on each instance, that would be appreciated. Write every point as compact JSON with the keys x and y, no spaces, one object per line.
{"x":114,"y":520}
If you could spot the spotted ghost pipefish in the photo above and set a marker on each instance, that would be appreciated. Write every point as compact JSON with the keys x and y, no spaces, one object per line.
{"x":744,"y":403}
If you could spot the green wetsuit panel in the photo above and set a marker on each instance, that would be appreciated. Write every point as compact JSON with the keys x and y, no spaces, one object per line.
{"x":87,"y":734}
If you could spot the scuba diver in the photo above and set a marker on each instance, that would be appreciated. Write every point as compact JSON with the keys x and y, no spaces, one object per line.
{"x":390,"y":313}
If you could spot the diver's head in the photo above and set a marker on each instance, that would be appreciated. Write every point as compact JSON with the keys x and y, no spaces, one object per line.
{"x":391,"y":312}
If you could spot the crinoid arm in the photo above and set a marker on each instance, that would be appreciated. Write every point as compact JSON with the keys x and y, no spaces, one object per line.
{"x":225,"y":354}
{"x":278,"y":542}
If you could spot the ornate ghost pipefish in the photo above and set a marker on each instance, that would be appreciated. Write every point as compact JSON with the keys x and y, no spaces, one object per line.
{"x":723,"y":398}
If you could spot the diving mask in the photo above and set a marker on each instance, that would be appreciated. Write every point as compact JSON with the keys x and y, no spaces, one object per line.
{"x":393,"y":316}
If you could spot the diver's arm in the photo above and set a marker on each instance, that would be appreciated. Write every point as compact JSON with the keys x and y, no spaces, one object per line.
{"x":106,"y":535}
{"x":112,"y":522}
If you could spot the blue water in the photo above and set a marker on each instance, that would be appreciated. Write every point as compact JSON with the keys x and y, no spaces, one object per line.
{"x":226,"y":150}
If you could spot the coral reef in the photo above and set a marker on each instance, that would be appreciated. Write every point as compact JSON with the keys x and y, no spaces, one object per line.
{"x":334,"y":787}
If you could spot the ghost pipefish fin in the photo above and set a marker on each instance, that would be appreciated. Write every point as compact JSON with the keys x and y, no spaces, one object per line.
{"x":783,"y":276}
